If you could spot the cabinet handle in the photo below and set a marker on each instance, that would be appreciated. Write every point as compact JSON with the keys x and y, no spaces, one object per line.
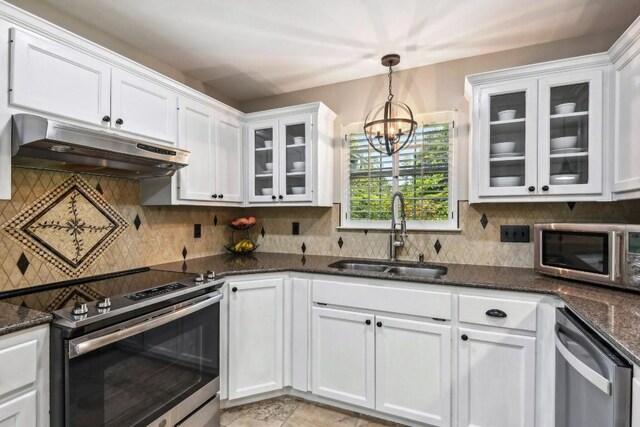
{"x":119,"y":122}
{"x":379,"y":324}
{"x":464,"y":337}
{"x":281,"y":197}
{"x":106,"y":119}
{"x":273,"y":197}
{"x":532,"y":188}
{"x":368,"y":322}
{"x":221,"y":196}
{"x":234,"y":289}
{"x":215,"y":196}
{"x":545,"y":188}
{"x":494,"y":312}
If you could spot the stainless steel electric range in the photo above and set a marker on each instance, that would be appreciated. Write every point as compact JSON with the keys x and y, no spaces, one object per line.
{"x":136,"y":348}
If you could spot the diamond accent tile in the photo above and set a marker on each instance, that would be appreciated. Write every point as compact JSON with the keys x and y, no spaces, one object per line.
{"x":304,"y":247}
{"x":137,"y":222}
{"x":69,"y":227}
{"x":262,"y":232}
{"x":571,"y":205}
{"x":215,"y":220}
{"x":437,"y":246}
{"x":484,"y":221}
{"x":23,"y":263}
{"x":303,"y":260}
{"x":184,"y":253}
{"x":340,"y":242}
{"x":99,"y":188}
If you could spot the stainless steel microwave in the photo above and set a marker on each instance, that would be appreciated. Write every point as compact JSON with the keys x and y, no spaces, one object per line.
{"x":607,"y":254}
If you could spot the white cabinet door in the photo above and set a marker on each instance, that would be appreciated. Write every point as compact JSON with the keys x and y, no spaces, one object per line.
{"x":54,"y":79}
{"x":20,"y":411}
{"x":413,"y":370}
{"x":228,"y":159}
{"x":496,"y":379}
{"x":263,"y":161}
{"x":570,"y":133}
{"x":143,"y":107}
{"x":506,"y":149}
{"x":256,"y":331}
{"x":295,"y":166}
{"x":343,"y":356}
{"x":197,"y":135}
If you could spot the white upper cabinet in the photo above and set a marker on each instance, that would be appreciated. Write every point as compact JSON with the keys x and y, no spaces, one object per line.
{"x":625,"y":55}
{"x":286,"y":150}
{"x":538,"y":132}
{"x":143,"y":107}
{"x":54,"y":79}
{"x":229,"y":160}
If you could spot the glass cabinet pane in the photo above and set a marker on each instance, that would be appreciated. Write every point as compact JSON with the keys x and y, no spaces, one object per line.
{"x":569,"y":134}
{"x":263,"y":156}
{"x":295,"y":159}
{"x":507,"y":131}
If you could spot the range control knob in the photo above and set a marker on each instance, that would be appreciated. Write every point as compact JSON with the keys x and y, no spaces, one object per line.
{"x":199,"y":278}
{"x":104,"y":303}
{"x":211,"y":275}
{"x":79,"y":308}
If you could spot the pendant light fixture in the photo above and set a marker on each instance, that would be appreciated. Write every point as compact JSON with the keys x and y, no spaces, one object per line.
{"x":390,"y":126}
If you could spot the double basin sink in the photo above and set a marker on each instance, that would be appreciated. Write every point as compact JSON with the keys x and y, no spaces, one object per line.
{"x":396,"y":268}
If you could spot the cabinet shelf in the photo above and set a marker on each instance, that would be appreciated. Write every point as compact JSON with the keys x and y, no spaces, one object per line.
{"x":264,"y":149}
{"x":297,"y":173}
{"x":569,"y":155}
{"x":507,"y":159}
{"x":264,"y":175}
{"x":507,"y":122}
{"x":296,"y":145}
{"x":576,"y":114}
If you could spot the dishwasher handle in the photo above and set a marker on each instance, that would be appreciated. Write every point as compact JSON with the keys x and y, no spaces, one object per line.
{"x":602,"y":383}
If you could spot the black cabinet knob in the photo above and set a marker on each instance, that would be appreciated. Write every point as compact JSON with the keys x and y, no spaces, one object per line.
{"x":234,"y":289}
{"x":464,"y":337}
{"x":368,"y":322}
{"x":221,"y":196}
{"x":379,"y":324}
{"x":273,"y":197}
{"x":281,"y":197}
{"x":106,"y":119}
{"x":215,"y":196}
{"x":545,"y":188}
{"x":494,"y":312}
{"x":532,"y":188}
{"x":119,"y":122}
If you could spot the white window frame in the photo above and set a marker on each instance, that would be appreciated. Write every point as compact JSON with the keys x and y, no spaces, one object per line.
{"x":449,"y":225}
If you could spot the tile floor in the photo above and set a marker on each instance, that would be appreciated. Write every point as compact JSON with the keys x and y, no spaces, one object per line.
{"x":292,"y":412}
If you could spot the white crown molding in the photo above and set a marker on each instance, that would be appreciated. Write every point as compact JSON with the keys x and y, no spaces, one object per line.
{"x":312,"y":107}
{"x":626,"y":41}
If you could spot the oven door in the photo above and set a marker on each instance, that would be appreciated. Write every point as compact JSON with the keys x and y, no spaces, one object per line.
{"x":141,"y":370}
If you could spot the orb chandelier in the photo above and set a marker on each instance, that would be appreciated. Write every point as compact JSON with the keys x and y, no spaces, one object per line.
{"x":390,"y":126}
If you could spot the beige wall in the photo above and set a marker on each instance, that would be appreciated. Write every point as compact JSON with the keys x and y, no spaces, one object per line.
{"x":430,"y":88}
{"x":59,"y":18}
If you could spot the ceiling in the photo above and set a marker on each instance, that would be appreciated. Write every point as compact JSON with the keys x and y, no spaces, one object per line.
{"x":248,"y":49}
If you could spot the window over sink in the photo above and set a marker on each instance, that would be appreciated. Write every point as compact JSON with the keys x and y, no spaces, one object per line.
{"x":423,"y":172}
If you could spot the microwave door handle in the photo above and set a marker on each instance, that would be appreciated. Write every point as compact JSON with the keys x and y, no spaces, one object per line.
{"x":602,"y":383}
{"x":83,"y":345}
{"x":616,"y":256}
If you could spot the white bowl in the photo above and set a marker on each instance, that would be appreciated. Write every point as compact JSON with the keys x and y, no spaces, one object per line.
{"x":564,"y":179}
{"x":298,"y":165}
{"x":268,"y":144}
{"x":566,"y":108}
{"x":297,"y":190}
{"x":267,"y":191}
{"x":298,"y":139}
{"x":563,"y":142}
{"x":506,"y":181}
{"x":507,"y":115}
{"x":503,"y":147}
{"x":268,"y":166}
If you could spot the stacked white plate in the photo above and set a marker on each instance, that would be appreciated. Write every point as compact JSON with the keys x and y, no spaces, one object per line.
{"x":564,"y":179}
{"x":506,"y":181}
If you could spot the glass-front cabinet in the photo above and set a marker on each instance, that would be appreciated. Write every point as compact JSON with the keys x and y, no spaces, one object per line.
{"x":280,"y":162}
{"x":539,"y":137}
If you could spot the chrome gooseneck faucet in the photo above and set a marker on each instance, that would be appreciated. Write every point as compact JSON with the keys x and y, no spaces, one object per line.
{"x":396,"y":241}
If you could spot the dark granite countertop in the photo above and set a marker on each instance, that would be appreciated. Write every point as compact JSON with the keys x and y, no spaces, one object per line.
{"x":615,"y":314}
{"x":15,"y":318}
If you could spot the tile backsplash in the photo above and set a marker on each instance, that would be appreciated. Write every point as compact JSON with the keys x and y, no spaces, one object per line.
{"x":164,"y":234}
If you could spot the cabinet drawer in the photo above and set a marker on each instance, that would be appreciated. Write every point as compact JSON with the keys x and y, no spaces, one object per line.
{"x":20,"y":411}
{"x":381,"y":298}
{"x":519,"y":314}
{"x":18,"y":366}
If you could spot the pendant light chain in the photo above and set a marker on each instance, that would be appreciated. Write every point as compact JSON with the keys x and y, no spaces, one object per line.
{"x":390,"y":97}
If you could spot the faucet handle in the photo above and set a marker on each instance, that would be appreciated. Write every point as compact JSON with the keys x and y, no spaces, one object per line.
{"x":420,"y":257}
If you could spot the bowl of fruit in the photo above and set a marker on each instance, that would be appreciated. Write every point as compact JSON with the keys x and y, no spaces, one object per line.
{"x":244,"y":245}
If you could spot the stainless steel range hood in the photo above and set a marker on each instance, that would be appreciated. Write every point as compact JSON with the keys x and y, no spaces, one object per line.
{"x":38,"y":142}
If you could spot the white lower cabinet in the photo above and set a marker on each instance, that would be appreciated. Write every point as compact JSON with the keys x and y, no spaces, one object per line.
{"x":256,"y":336}
{"x":413,"y":370}
{"x":496,"y":379}
{"x":20,"y":411}
{"x":343,"y":356}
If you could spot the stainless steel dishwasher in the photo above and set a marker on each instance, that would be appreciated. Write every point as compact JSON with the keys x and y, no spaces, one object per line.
{"x":593,"y":381}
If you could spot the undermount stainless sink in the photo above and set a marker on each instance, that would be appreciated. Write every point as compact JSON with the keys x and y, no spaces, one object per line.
{"x":399,"y":269}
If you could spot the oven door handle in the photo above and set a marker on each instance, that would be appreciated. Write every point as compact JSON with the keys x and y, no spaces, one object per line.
{"x":83,"y":345}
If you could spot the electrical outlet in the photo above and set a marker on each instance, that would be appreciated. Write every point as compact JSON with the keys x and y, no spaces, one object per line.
{"x":514,"y":233}
{"x":197,"y":231}
{"x":295,"y":228}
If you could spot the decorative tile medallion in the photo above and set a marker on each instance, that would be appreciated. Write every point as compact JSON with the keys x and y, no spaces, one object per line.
{"x":69,"y":227}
